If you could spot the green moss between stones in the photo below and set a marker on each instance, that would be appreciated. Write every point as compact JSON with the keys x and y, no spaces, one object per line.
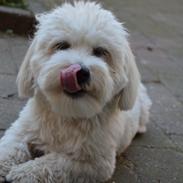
{"x":14,"y":3}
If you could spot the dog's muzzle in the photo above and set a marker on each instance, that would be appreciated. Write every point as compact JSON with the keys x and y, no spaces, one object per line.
{"x":74,"y":77}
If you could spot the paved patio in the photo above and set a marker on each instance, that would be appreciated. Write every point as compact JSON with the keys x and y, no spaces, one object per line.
{"x":156,"y":29}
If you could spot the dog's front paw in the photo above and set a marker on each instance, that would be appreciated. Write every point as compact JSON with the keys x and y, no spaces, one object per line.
{"x":29,"y":172}
{"x":5,"y":167}
{"x":22,"y":174}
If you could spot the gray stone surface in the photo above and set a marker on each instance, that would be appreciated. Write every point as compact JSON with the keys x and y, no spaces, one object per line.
{"x":7,"y":85}
{"x":9,"y":110}
{"x":156,"y":29}
{"x":156,"y":164}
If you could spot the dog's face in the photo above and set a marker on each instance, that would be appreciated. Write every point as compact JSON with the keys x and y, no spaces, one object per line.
{"x":80,"y":60}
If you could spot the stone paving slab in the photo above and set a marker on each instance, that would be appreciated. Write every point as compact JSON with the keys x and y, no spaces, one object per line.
{"x":156,"y":165}
{"x":8,"y":86}
{"x":177,"y":139}
{"x":12,"y":51}
{"x":9,"y":111}
{"x":154,"y":138}
{"x":7,"y":66}
{"x":166,"y":111}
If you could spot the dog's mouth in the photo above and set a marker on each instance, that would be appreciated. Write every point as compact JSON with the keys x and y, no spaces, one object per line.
{"x":74,"y":80}
{"x":77,"y":94}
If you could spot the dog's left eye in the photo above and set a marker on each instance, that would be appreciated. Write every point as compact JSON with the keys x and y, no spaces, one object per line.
{"x":62,"y":46}
{"x":100,"y":52}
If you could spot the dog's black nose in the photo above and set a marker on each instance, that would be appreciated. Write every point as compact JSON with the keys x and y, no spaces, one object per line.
{"x":83,"y":75}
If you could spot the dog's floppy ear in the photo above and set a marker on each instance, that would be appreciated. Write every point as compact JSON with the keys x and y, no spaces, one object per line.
{"x":129,"y":93}
{"x":25,"y":76}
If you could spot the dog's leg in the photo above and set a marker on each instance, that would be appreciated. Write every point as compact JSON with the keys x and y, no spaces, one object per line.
{"x":12,"y":151}
{"x":53,"y":168}
{"x":145,"y":108}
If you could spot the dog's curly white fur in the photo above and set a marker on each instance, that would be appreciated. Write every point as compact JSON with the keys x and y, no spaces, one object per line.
{"x":80,"y":137}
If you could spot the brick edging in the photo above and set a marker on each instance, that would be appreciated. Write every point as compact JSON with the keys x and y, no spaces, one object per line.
{"x":20,"y":21}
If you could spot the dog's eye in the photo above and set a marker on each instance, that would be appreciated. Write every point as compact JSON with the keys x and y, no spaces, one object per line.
{"x":62,"y":46}
{"x":100,"y":52}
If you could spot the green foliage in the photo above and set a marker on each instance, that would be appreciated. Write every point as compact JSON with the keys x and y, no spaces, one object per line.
{"x":13,"y":3}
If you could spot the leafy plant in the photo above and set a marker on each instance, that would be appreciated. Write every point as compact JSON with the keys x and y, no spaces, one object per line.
{"x":14,"y":3}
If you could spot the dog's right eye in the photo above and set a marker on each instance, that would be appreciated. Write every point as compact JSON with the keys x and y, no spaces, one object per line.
{"x":100,"y":52}
{"x":62,"y":46}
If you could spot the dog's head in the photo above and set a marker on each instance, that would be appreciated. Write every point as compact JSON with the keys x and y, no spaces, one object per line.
{"x":80,"y":60}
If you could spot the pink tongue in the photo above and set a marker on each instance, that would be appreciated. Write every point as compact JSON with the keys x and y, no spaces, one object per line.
{"x":68,"y":78}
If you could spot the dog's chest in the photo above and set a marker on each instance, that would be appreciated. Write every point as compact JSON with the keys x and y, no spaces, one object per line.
{"x":58,"y":137}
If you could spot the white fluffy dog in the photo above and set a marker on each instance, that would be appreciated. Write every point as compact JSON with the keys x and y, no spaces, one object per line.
{"x":86,"y":100}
